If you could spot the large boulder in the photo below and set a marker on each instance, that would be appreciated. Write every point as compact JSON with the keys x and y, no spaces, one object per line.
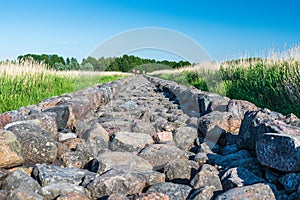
{"x":47,"y":121}
{"x":238,"y":177}
{"x":79,"y":110}
{"x":256,"y":123}
{"x":37,"y":144}
{"x":18,"y":179}
{"x":117,"y":125}
{"x":180,"y":171}
{"x":279,"y":151}
{"x":62,"y":115}
{"x":214,"y":124}
{"x":47,"y":175}
{"x":95,"y":130}
{"x":158,"y":155}
{"x":10,"y":150}
{"x":239,"y":107}
{"x":143,"y":127}
{"x":184,"y":137}
{"x":151,"y":177}
{"x":129,"y":142}
{"x":115,"y":181}
{"x":207,"y":176}
{"x":53,"y":190}
{"x":122,"y":161}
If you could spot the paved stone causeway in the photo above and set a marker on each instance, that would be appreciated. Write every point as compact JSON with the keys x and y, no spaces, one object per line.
{"x":146,"y":138}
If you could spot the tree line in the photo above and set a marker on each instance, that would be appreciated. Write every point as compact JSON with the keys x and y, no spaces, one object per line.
{"x":124,"y":64}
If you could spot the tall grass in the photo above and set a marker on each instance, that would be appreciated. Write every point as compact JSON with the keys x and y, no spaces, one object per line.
{"x":28,"y":83}
{"x":271,"y":84}
{"x":272,"y":81}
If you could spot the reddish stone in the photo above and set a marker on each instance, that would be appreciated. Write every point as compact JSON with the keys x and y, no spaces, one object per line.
{"x":165,"y":136}
{"x":72,"y":143}
{"x":5,"y":119}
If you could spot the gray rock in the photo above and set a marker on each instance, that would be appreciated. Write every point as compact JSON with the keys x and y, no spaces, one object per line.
{"x":117,"y":182}
{"x":158,"y":155}
{"x":130,"y":105}
{"x":291,"y":181}
{"x":96,"y":130}
{"x":207,"y":176}
{"x":37,"y":145}
{"x":250,"y":192}
{"x":129,"y":142}
{"x":182,"y":118}
{"x":180,"y":171}
{"x":53,"y":190}
{"x":10,"y":151}
{"x":62,"y":115}
{"x":79,"y":110}
{"x":202,"y":158}
{"x":18,"y":179}
{"x":3,"y":175}
{"x":47,"y":175}
{"x":238,"y":177}
{"x":184,"y":137}
{"x":46,"y":121}
{"x":173,"y":190}
{"x":256,"y":123}
{"x":279,"y":151}
{"x":161,"y":124}
{"x":143,"y":127}
{"x":122,"y":161}
{"x":21,"y":194}
{"x":117,"y":125}
{"x":65,"y":136}
{"x":204,"y":193}
{"x":204,"y":148}
{"x":3,"y":194}
{"x":192,"y":122}
{"x":151,"y":177}
{"x":239,"y":107}
{"x":214,"y":125}
{"x":240,"y":159}
{"x":293,"y":120}
{"x":73,"y":159}
{"x":53,"y":101}
{"x":117,"y":197}
{"x":251,"y":128}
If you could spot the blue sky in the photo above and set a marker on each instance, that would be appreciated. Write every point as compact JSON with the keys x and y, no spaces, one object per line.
{"x":75,"y":28}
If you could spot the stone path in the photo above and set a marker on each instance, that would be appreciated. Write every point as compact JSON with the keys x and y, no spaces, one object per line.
{"x":147,"y":138}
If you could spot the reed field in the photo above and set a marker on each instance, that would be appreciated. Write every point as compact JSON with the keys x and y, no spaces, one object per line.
{"x":272,"y":82}
{"x":28,"y":83}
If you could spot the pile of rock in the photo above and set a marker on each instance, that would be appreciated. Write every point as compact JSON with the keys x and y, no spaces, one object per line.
{"x":147,"y":138}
